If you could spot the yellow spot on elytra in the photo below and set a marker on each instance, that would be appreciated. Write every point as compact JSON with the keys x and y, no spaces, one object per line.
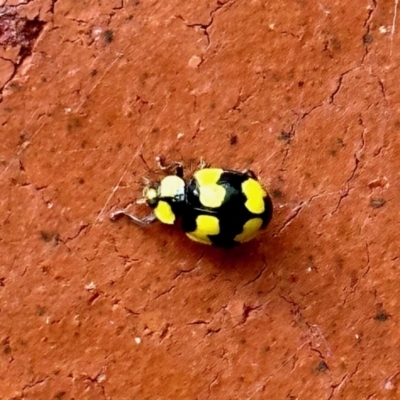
{"x":211,"y":194}
{"x":171,"y":186}
{"x":255,"y":196}
{"x":206,"y":225}
{"x":208,"y":176}
{"x":164,"y":212}
{"x":250,"y":230}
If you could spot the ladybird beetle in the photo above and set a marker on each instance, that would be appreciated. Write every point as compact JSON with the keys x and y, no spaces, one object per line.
{"x":216,"y":206}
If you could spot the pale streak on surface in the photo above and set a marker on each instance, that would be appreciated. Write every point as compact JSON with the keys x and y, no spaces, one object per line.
{"x":116,"y":187}
{"x":396,"y":3}
{"x":23,"y":146}
{"x":118,"y":57}
{"x":284,"y":363}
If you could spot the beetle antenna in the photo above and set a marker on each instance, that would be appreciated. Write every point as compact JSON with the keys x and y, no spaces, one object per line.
{"x":144,"y":162}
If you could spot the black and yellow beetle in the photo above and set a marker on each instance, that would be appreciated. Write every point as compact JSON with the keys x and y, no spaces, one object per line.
{"x":216,"y":206}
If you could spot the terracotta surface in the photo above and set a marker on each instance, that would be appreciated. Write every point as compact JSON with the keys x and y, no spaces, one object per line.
{"x":305,"y":93}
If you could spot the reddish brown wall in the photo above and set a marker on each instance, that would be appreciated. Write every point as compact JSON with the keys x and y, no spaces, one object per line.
{"x":305,"y":93}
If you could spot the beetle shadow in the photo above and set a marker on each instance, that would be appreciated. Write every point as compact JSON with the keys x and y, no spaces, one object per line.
{"x":247,"y":258}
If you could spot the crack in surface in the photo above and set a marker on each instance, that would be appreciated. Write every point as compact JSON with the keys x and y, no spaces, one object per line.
{"x":33,"y":384}
{"x":247,"y":310}
{"x":16,"y":30}
{"x":241,"y":101}
{"x":332,"y":96}
{"x":354,"y":287}
{"x":188,"y":271}
{"x":298,"y":209}
{"x":345,"y":192}
{"x":258,"y":276}
{"x":316,"y":336}
{"x":367,"y":267}
{"x":97,"y":380}
{"x":210,"y":330}
{"x":288,"y":135}
{"x":82,"y":230}
{"x":262,"y":387}
{"x":215,"y":378}
{"x":291,"y":218}
{"x":198,"y":322}
{"x":367,"y":37}
{"x":338,"y":386}
{"x":204,"y":27}
{"x":169,"y":290}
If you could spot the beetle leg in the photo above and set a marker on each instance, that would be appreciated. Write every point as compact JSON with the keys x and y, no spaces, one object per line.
{"x":179,"y":171}
{"x":145,"y":181}
{"x":250,"y":174}
{"x":203,"y":163}
{"x":147,"y":220}
{"x":175,"y":166}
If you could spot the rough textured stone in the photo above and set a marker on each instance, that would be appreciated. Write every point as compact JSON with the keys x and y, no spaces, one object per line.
{"x":304,"y":93}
